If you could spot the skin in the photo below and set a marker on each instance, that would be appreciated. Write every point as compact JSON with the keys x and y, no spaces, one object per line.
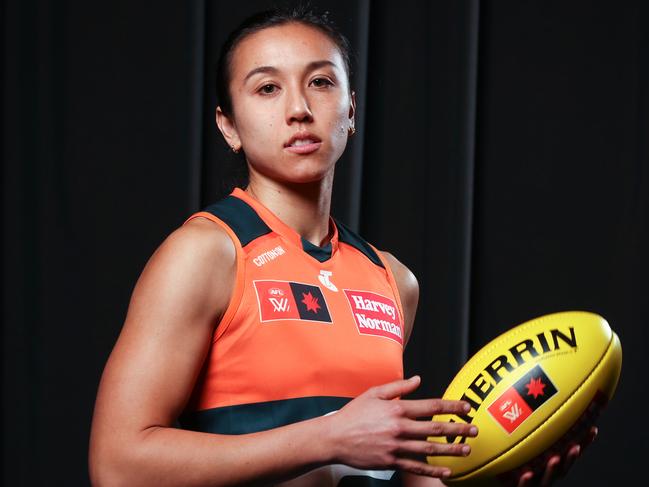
{"x":186,"y":285}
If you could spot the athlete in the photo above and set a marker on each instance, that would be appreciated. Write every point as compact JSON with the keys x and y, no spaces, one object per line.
{"x":269,"y":330}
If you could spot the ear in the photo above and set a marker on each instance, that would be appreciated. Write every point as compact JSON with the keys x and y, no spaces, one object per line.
{"x":228,"y":129}
{"x":352,"y":108}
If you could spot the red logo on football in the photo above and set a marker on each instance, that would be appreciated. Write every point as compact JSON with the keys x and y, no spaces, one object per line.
{"x":524,"y":397}
{"x":510,"y":410}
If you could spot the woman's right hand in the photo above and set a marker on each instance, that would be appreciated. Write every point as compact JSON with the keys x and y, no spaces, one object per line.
{"x":378,"y":430}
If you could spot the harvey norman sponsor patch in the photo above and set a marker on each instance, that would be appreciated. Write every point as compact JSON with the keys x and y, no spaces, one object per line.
{"x":286,"y":300}
{"x":375,"y":315}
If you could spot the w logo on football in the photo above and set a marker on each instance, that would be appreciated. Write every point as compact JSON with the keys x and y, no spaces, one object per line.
{"x":513,"y":414}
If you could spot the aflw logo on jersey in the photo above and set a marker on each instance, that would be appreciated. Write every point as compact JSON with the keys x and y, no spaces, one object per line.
{"x":285,"y":300}
{"x":375,"y":315}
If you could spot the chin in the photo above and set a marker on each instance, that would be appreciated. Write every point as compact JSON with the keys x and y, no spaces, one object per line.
{"x":308,"y":173}
{"x":314,"y":174}
{"x":304,"y":178}
{"x":305,"y":171}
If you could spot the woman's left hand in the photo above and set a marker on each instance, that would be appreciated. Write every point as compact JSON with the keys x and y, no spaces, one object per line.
{"x":557,"y":465}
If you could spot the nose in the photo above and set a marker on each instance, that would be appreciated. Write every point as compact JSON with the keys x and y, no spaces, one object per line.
{"x":297,"y":107}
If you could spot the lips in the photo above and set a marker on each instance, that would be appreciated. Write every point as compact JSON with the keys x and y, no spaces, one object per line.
{"x":303,"y":143}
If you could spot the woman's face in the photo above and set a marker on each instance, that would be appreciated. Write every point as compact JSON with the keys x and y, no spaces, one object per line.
{"x":291,"y":103}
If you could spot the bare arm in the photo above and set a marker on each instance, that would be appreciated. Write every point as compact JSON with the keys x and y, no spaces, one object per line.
{"x":408,"y":291}
{"x":152,"y":370}
{"x":153,"y":367}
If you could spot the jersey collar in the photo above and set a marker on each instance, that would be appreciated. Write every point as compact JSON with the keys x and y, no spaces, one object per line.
{"x":321,"y":254}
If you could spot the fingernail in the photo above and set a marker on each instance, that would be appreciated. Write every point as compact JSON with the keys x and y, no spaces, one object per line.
{"x":473,"y":431}
{"x":466,"y":449}
{"x":414,"y":377}
{"x":466,"y":407}
{"x":446,"y":473}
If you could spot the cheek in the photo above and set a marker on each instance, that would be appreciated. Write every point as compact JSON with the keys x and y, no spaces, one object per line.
{"x":338,"y":130}
{"x":340,"y":125}
{"x":256,"y":125}
{"x":339,"y":122}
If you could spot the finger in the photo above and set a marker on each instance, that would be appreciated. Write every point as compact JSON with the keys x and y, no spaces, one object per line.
{"x":525,"y":480}
{"x":419,"y":408}
{"x":418,"y":429}
{"x":395,"y":389}
{"x":571,"y":456}
{"x":551,"y":470}
{"x":421,"y":468}
{"x":592,"y":434}
{"x":433,"y":448}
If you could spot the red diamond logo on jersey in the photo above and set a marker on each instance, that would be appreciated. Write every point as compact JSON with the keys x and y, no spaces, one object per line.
{"x":310,"y":302}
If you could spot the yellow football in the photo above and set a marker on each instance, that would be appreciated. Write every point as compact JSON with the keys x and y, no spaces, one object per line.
{"x":528,"y":389}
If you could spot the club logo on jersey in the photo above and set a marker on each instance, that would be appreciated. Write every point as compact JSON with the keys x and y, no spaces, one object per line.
{"x":518,"y":402}
{"x":285,"y":300}
{"x":324,"y":279}
{"x":375,"y":315}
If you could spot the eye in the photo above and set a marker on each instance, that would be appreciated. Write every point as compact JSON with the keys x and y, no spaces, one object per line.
{"x":321,"y":82}
{"x":267,"y":89}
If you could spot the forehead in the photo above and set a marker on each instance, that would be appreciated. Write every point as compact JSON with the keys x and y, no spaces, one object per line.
{"x":288,"y":46}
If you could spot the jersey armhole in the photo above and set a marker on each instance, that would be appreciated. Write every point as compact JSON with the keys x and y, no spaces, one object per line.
{"x":237,"y":292}
{"x":395,"y":289}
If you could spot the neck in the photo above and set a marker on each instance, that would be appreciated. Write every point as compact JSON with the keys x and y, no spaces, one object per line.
{"x":304,"y":207}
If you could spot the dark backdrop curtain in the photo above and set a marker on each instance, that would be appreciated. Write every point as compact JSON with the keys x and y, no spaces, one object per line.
{"x":501,"y":154}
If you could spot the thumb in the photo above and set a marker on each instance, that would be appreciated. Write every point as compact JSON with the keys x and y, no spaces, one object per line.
{"x":397,"y":388}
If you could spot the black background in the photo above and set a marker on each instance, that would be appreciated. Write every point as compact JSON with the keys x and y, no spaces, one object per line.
{"x":501,"y":153}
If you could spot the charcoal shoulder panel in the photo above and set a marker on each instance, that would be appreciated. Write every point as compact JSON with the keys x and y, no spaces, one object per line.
{"x":240,"y":217}
{"x":352,"y":238}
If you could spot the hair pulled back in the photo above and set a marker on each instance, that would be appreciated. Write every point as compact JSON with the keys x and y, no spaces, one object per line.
{"x":302,"y":14}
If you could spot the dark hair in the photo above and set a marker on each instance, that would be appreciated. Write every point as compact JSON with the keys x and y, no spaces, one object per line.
{"x":302,"y":14}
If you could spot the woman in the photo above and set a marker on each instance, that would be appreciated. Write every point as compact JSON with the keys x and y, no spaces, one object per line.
{"x":261,"y":315}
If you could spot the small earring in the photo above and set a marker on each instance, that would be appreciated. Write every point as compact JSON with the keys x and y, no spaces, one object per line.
{"x":351,"y":131}
{"x":234,"y":149}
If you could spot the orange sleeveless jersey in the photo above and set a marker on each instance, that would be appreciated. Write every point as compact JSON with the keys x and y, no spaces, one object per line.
{"x":307,"y":328}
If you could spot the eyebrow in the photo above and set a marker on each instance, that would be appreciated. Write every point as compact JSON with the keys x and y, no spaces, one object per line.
{"x":273,"y":70}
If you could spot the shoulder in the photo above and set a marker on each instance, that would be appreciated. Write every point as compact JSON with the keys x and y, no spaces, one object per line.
{"x":405,"y":279}
{"x":200,"y":238}
{"x":200,"y":245}
{"x":195,"y":265}
{"x":408,"y":289}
